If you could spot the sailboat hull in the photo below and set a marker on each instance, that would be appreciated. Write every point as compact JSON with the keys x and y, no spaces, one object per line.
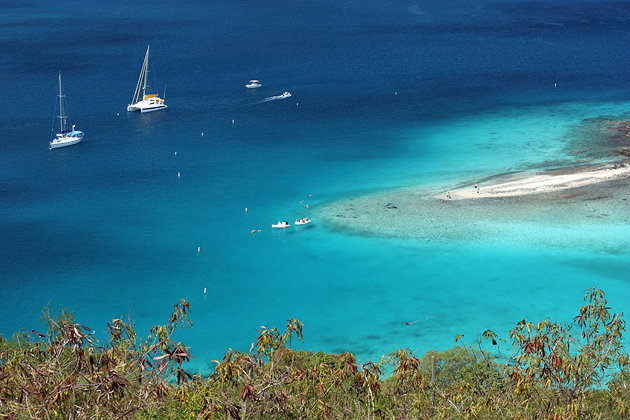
{"x":65,"y":141}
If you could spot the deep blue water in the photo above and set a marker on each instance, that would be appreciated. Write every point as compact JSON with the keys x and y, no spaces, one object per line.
{"x":385,"y":94}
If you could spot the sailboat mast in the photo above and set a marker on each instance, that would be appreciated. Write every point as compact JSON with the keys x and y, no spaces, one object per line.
{"x":62,"y":117}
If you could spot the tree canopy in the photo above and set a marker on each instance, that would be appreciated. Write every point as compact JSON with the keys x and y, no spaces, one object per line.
{"x":542,"y":370}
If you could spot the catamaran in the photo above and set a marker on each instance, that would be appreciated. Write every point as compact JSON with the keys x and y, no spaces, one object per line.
{"x":64,"y":137}
{"x":150,"y":102}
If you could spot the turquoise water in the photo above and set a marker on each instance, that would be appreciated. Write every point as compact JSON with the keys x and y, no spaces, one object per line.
{"x":384,"y":96}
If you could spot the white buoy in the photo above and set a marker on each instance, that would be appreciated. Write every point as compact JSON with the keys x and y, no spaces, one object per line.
{"x":118,"y":113}
{"x":232,"y":122}
{"x":555,"y":85}
{"x":175,"y":153}
{"x":198,"y":249}
{"x":245,"y":209}
{"x":179,"y":174}
{"x":202,"y":134}
{"x":395,"y":93}
{"x":204,"y":290}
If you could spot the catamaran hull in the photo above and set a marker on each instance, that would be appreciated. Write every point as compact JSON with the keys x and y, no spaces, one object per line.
{"x":156,"y":108}
{"x":65,"y":142}
{"x":145,"y":108}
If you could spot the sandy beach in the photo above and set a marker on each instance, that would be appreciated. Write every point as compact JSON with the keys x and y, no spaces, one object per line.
{"x":545,"y":182}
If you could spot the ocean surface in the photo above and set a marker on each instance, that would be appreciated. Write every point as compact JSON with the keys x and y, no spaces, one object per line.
{"x":153,"y":208}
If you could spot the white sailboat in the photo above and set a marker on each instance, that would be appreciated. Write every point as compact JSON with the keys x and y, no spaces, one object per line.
{"x":64,"y":137}
{"x":149,"y":102}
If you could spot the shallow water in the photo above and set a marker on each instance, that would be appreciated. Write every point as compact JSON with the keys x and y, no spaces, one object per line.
{"x":592,"y":217}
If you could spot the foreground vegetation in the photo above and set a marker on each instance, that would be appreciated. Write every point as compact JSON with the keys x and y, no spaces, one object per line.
{"x":553,"y":371}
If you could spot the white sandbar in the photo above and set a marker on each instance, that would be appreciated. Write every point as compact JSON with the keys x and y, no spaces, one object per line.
{"x":545,"y":182}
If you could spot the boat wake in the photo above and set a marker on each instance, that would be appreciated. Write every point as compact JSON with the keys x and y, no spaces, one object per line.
{"x":275,"y":98}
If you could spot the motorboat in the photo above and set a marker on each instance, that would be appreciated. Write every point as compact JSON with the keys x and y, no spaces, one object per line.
{"x":64,"y":137}
{"x":253,"y":84}
{"x":281,"y":225}
{"x":149,"y":102}
{"x":285,"y":95}
{"x":302,"y":221}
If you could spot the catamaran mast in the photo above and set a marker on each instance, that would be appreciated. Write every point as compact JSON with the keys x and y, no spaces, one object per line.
{"x":142,"y":82}
{"x":144,"y":72}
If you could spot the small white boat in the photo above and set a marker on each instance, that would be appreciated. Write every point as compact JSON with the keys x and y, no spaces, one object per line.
{"x":253,"y":84}
{"x":150,"y":102}
{"x":302,"y":221}
{"x":285,"y":95}
{"x":65,"y":137}
{"x":281,"y":225}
